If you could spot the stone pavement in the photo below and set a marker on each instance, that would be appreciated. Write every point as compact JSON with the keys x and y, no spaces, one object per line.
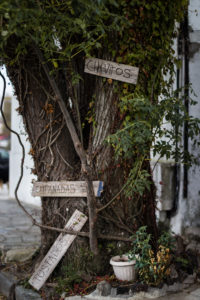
{"x":16,"y":229}
{"x":191,"y":293}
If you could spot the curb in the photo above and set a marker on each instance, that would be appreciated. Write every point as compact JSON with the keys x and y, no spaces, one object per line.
{"x":10,"y":289}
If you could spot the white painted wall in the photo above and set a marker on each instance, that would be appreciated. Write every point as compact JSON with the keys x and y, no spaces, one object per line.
{"x":25,"y":188}
{"x":188,"y":211}
{"x":193,"y":201}
{"x":189,"y":208}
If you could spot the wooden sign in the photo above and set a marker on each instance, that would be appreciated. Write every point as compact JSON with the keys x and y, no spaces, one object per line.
{"x":65,"y":189}
{"x":58,"y":249}
{"x":112,"y":70}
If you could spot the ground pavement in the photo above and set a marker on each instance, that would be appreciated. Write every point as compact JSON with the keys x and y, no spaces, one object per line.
{"x":16,"y":229}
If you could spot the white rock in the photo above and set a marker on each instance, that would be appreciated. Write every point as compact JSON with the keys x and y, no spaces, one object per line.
{"x":189,"y":279}
{"x":196,"y":293}
{"x":198,"y":249}
{"x":173,"y":272}
{"x":20,"y":255}
{"x":176,"y":287}
{"x":154,"y":293}
{"x":193,"y":232}
{"x":103,"y":288}
{"x":192,"y":246}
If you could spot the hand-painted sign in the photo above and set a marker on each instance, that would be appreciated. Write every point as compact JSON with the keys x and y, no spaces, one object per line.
{"x":112,"y":70}
{"x":65,"y":189}
{"x":58,"y":249}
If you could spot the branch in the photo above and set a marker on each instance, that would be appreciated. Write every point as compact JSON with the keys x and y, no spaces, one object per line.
{"x":121,"y":226}
{"x":64,"y":160}
{"x":84,"y":234}
{"x":87,"y":170}
{"x":113,"y":199}
{"x":154,"y":79}
{"x":77,"y":144}
{"x":45,"y":129}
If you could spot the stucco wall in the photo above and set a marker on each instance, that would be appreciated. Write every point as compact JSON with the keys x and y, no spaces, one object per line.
{"x":15,"y":161}
{"x":193,"y":199}
{"x":189,"y":208}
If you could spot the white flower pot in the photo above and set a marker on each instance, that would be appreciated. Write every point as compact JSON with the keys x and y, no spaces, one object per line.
{"x":123,"y":267}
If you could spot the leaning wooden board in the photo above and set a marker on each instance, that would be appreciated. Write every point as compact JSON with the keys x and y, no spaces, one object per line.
{"x":58,"y":249}
{"x":65,"y":189}
{"x":112,"y":70}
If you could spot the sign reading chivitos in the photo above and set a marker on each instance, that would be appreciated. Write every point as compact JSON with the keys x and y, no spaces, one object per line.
{"x":112,"y":70}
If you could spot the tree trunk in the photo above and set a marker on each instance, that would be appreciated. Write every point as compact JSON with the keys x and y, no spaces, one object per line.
{"x":91,"y":102}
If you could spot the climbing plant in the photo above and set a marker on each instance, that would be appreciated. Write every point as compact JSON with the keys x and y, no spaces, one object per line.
{"x":84,"y":127}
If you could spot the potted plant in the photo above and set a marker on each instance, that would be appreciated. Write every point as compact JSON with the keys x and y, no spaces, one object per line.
{"x":123,"y":267}
{"x":151,"y":268}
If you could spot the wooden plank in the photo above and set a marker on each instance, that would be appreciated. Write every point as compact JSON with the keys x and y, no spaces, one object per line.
{"x":111,"y":69}
{"x":65,"y":189}
{"x":58,"y":249}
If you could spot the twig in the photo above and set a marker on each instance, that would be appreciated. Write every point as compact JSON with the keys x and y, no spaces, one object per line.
{"x":121,"y":226}
{"x":84,"y":234}
{"x":63,"y":158}
{"x":56,"y":134}
{"x":45,"y":129}
{"x":111,"y":201}
{"x":42,"y":87}
{"x":92,"y":43}
{"x":154,"y":79}
{"x":75,"y":98}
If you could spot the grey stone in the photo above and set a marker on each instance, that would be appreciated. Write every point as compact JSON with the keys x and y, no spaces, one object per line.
{"x":198,"y":261}
{"x":16,"y":229}
{"x":196,"y":292}
{"x":63,"y":295}
{"x":193,"y":295}
{"x":190,"y":279}
{"x":103,"y":288}
{"x":25,"y":294}
{"x":154,"y":293}
{"x":179,"y":245}
{"x":82,"y":298}
{"x":20,"y":255}
{"x":173,"y":272}
{"x":174,"y":288}
{"x":113,"y":292}
{"x":2,"y":238}
{"x":192,"y":246}
{"x":30,"y":238}
{"x":162,"y":216}
{"x":74,"y":298}
{"x":193,"y":233}
{"x":7,"y":284}
{"x":198,"y":249}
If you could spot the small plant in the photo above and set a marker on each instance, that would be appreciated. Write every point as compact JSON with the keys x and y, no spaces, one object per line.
{"x":152,"y":267}
{"x":69,"y":278}
{"x":184,"y":263}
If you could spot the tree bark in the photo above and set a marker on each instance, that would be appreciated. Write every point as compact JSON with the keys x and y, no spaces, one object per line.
{"x":53,"y":126}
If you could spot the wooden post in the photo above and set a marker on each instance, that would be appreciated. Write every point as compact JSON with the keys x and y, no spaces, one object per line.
{"x":58,"y":249}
